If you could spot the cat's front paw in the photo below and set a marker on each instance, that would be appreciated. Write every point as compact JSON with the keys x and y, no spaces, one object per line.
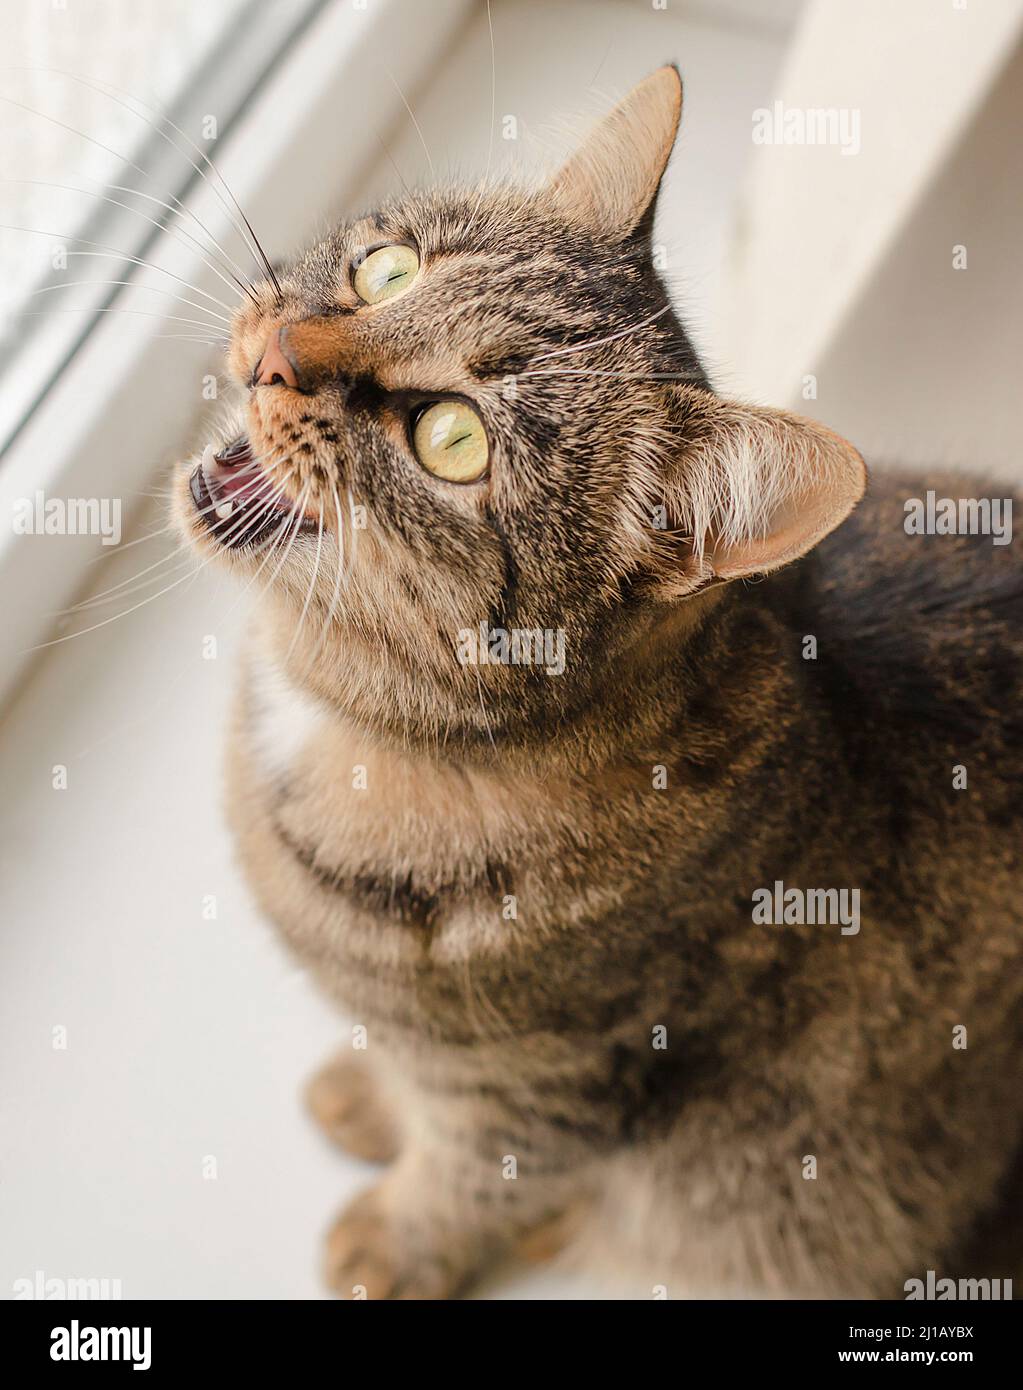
{"x":371,"y":1254}
{"x":345,"y":1102}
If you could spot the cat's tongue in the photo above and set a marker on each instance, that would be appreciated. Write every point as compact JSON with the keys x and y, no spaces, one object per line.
{"x":234,"y":479}
{"x":241,"y":502}
{"x":232,"y":476}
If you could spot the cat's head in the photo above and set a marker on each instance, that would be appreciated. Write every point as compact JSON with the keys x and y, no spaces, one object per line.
{"x":477,"y":464}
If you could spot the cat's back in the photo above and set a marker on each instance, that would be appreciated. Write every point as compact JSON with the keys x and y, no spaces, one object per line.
{"x":918,"y":627}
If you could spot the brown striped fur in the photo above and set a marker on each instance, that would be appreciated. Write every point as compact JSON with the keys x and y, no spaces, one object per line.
{"x":392,"y":805}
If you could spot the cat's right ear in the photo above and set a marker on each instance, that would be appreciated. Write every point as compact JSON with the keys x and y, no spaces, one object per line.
{"x":612,"y":178}
{"x":749,"y":489}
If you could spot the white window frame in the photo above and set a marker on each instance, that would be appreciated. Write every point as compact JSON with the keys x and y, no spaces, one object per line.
{"x":126,"y":402}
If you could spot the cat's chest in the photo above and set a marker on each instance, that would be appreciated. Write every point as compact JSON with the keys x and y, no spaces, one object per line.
{"x":363,"y":803}
{"x":411,"y":846}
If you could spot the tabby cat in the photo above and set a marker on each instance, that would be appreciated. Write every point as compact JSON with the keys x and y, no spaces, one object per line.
{"x":648,"y":799}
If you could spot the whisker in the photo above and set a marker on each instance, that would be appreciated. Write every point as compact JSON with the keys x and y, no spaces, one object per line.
{"x":112,"y":253}
{"x":122,"y":591}
{"x":265,"y":497}
{"x":179,"y":209}
{"x":259,"y":515}
{"x":493,"y":119}
{"x":103,"y":595}
{"x":250,"y":471}
{"x":275,"y":547}
{"x":415,"y":123}
{"x":150,"y":289}
{"x":271,"y":551}
{"x":166,"y":493}
{"x":312,"y":586}
{"x":483,"y":707}
{"x":177,"y":232}
{"x":124,"y":161}
{"x":80,"y":133}
{"x":192,"y":338}
{"x":108,"y":89}
{"x":391,"y":160}
{"x":126,"y":545}
{"x":354,"y":550}
{"x":618,"y":376}
{"x":294,"y":523}
{"x":86,"y":309}
{"x":340,"y":555}
{"x":599,"y":342}
{"x":136,"y":260}
{"x":82,"y":632}
{"x":55,"y":641}
{"x":338,"y":573}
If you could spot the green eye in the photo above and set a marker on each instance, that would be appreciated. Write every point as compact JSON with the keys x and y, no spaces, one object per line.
{"x":450,"y":442}
{"x":386,"y":273}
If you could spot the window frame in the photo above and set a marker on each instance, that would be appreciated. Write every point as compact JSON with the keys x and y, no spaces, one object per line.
{"x":125,"y":401}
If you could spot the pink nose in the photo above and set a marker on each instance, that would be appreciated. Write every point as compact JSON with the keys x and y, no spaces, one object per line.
{"x":275,"y":369}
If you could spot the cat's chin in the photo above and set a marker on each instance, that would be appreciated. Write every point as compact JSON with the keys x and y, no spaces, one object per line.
{"x":234,"y":503}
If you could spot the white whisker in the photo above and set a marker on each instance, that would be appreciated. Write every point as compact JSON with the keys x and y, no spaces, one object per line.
{"x":599,"y":342}
{"x":178,"y":232}
{"x":114,"y":93}
{"x":104,"y":596}
{"x":312,"y":586}
{"x":493,"y":119}
{"x":617,"y":376}
{"x":149,"y":289}
{"x":415,"y":123}
{"x":87,"y":309}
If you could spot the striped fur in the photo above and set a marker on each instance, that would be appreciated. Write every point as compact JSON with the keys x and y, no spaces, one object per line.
{"x":533,"y":892}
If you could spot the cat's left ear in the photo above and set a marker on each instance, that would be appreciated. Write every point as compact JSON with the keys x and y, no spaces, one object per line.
{"x":750,"y":489}
{"x":612,"y":178}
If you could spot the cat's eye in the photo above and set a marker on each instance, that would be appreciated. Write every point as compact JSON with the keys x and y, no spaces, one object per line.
{"x":385,"y":273}
{"x":450,"y":441}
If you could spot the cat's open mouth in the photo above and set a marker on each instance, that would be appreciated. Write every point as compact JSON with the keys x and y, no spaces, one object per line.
{"x":239,"y":503}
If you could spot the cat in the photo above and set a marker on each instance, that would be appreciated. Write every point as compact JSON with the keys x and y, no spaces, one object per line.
{"x":470,"y":424}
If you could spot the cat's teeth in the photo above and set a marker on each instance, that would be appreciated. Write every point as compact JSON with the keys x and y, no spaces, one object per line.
{"x":208,"y":465}
{"x":224,"y":510}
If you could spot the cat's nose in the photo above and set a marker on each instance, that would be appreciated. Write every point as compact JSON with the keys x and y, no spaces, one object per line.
{"x":275,"y":366}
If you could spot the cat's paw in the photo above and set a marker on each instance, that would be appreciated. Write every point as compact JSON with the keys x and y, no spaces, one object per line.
{"x":343,"y":1100}
{"x":369,"y":1255}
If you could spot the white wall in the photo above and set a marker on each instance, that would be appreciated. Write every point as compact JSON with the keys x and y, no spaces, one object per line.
{"x":842,"y":265}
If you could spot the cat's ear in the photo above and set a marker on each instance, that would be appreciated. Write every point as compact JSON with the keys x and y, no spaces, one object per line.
{"x":611,"y":179}
{"x":750,"y":490}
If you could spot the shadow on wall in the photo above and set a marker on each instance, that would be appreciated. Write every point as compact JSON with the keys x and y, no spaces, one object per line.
{"x":920,"y":370}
